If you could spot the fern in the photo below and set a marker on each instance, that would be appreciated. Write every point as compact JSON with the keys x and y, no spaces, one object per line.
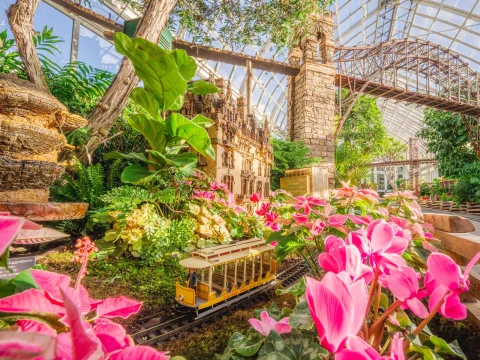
{"x":87,"y":185}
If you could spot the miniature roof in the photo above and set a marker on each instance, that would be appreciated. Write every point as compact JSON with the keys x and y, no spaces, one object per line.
{"x":225,"y":253}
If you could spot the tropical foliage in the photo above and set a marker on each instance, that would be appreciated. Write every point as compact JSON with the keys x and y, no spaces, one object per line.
{"x":44,"y":316}
{"x":288,"y":155}
{"x":446,"y":137}
{"x":373,"y":259}
{"x":247,"y":22}
{"x":362,"y":140}
{"x":165,"y":75}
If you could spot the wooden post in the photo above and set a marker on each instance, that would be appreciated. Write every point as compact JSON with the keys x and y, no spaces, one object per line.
{"x":210,"y":275}
{"x":261,"y":267}
{"x":271,"y":259}
{"x":225,"y":275}
{"x":253,"y":269}
{"x":236,"y":271}
{"x":249,"y":87}
{"x":245,"y":270}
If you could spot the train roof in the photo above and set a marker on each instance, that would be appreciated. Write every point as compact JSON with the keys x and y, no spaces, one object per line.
{"x":221,"y":254}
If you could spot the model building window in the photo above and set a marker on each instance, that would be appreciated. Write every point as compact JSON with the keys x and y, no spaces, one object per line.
{"x":229,"y":135}
{"x":228,"y":179}
{"x":259,"y":187}
{"x":202,"y":160}
{"x":225,"y":159}
{"x":266,"y":191}
{"x":244,"y":186}
{"x":251,"y":189}
{"x":247,"y":165}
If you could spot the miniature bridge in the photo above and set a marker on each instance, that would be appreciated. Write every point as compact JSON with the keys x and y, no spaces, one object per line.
{"x":412,"y":71}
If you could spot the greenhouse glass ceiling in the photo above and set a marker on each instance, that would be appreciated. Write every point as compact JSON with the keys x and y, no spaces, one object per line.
{"x":454,"y":24}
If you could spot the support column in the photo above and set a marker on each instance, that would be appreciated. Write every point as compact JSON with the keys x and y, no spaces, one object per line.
{"x":253,"y":270}
{"x":235,"y":273}
{"x":210,"y":275}
{"x":311,"y":94}
{"x":225,"y":276}
{"x":249,"y":87}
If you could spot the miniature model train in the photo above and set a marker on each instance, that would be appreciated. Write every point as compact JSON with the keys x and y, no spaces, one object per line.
{"x":226,"y":273}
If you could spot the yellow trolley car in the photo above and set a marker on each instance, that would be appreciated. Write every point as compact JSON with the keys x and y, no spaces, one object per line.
{"x":227,"y":273}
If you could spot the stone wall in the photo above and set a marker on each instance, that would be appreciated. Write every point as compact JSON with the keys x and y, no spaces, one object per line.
{"x":311,"y":94}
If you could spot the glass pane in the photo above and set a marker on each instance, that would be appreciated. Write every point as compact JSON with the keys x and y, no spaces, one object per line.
{"x":62,"y":26}
{"x":97,"y":52}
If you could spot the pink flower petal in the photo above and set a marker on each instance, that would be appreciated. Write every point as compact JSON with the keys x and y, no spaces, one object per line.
{"x":329,"y":312}
{"x":26,"y":345}
{"x":35,"y":326}
{"x":51,"y":282}
{"x":84,"y":345}
{"x":337,"y":220}
{"x":470,"y":266}
{"x":282,"y":327}
{"x":118,"y":307}
{"x":452,"y":308}
{"x":444,"y":270}
{"x":112,"y":336}
{"x":380,"y":234}
{"x":138,"y":353}
{"x":329,"y":263}
{"x":31,"y":300}
{"x":9,"y":228}
{"x":257,"y":325}
{"x":64,"y":348}
{"x":417,"y":307}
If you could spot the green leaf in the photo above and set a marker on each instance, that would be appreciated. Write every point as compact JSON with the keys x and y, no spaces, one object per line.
{"x":152,"y":130}
{"x":157,"y":68}
{"x":24,"y":281}
{"x":424,"y":351}
{"x":297,"y":290}
{"x":203,"y":121}
{"x":4,"y":259}
{"x":196,"y":136}
{"x":130,"y":156}
{"x":202,"y":87}
{"x":383,"y":301}
{"x":301,"y":317}
{"x":441,"y":346}
{"x":186,"y":64}
{"x":249,"y":344}
{"x":291,"y":347}
{"x":133,"y":174}
{"x":146,"y":100}
{"x":185,"y":161}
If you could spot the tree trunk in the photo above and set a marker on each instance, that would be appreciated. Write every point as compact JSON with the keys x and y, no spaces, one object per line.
{"x":110,"y":106}
{"x":20,"y":17}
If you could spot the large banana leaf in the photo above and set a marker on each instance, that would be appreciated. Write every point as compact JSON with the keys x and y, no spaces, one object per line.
{"x":185,"y":161}
{"x":146,"y":100}
{"x":152,"y":130}
{"x":157,"y":68}
{"x":197,"y":137}
{"x":133,"y":174}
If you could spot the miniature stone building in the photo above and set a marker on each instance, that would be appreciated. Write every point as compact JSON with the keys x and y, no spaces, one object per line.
{"x":244,"y":154}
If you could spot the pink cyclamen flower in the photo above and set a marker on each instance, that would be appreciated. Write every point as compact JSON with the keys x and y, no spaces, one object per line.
{"x":203,"y":195}
{"x":360,"y":220}
{"x":316,"y":227}
{"x":337,"y":220}
{"x":300,"y":218}
{"x":218,"y":186}
{"x":306,"y":203}
{"x":403,"y":283}
{"x":267,"y":324}
{"x":444,"y":277}
{"x":380,"y":244}
{"x":340,"y":257}
{"x":264,"y":207}
{"x":270,"y":222}
{"x":357,"y":349}
{"x":256,"y":197}
{"x":338,"y":308}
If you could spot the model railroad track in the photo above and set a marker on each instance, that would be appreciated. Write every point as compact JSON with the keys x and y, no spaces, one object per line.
{"x":169,"y":329}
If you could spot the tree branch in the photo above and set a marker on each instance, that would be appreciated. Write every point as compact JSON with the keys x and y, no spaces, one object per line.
{"x":20,"y":17}
{"x":115,"y":98}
